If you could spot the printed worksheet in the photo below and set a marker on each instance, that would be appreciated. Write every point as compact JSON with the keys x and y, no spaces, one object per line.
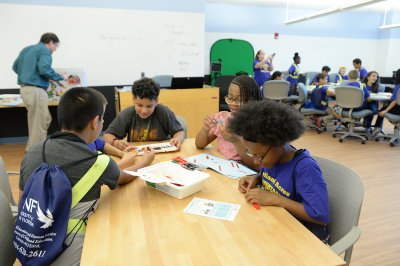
{"x":223,"y":166}
{"x":212,"y":209}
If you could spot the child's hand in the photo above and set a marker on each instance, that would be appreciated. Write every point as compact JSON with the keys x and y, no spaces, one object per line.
{"x":148,"y":155}
{"x":209,"y":122}
{"x":130,"y":148}
{"x":262,"y":197}
{"x":175,"y":142}
{"x":128,"y":159}
{"x":247,"y":182}
{"x":121,"y":144}
{"x":381,"y":114}
{"x":227,"y":135}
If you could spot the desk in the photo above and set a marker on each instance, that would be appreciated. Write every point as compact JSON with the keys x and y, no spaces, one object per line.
{"x":381,"y":96}
{"x":55,"y":103}
{"x":191,"y":104}
{"x":137,"y":225}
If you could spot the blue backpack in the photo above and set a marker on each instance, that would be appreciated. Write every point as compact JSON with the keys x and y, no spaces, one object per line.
{"x":43,"y":221}
{"x":316,"y":98}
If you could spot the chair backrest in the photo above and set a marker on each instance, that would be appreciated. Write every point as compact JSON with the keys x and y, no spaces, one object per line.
{"x":349,"y":96}
{"x":223,"y":82}
{"x":183,"y":123}
{"x":164,"y":80}
{"x":344,"y":82}
{"x":382,"y":87}
{"x":346,"y":193}
{"x":397,"y":97}
{"x":276,"y":89}
{"x":5,"y":183}
{"x":311,"y":75}
{"x":332,"y":77}
{"x":7,"y":249}
{"x":302,"y":93}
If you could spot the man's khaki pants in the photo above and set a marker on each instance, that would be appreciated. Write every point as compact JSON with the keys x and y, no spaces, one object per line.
{"x":39,"y":118}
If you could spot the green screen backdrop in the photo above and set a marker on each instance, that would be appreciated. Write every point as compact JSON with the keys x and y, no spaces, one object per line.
{"x":235,"y":55}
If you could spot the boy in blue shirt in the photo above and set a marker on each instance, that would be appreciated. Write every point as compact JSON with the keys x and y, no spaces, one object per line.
{"x":357,"y":65}
{"x":353,"y":76}
{"x":288,"y":177}
{"x":322,"y":103}
{"x":325,"y":70}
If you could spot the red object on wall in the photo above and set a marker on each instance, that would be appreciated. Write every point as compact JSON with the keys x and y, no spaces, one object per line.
{"x":276,"y":35}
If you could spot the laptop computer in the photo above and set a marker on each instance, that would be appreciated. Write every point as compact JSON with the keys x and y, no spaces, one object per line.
{"x":187,"y":83}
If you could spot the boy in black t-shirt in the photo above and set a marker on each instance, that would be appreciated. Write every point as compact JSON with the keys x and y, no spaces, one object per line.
{"x":146,"y":120}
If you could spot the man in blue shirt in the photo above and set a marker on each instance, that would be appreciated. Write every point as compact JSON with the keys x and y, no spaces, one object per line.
{"x":361,"y":70}
{"x":33,"y":67}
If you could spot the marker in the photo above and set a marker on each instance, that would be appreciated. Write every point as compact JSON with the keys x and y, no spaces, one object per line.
{"x":220,"y":167}
{"x":256,"y":206}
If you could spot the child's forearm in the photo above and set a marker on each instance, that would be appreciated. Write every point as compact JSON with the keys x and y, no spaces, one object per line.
{"x":296,"y":209}
{"x":202,"y":139}
{"x":112,"y":150}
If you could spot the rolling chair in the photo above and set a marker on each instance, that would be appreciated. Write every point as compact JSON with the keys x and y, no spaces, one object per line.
{"x":344,"y":82}
{"x":276,"y":89}
{"x":395,"y":120}
{"x":183,"y":123}
{"x":164,"y":80}
{"x":346,"y":193}
{"x":7,"y":223}
{"x":223,"y":83}
{"x":350,"y":97}
{"x":332,"y":77}
{"x":311,"y":76}
{"x":6,"y":188}
{"x":309,"y":113}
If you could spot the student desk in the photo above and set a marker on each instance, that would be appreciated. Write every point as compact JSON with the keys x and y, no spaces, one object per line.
{"x":138,"y":225}
{"x":191,"y":104}
{"x":55,"y":103}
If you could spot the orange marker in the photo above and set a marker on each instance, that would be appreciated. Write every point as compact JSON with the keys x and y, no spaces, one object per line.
{"x":256,"y":206}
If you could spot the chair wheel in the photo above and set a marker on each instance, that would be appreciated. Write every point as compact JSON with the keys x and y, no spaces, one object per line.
{"x":319,"y":131}
{"x":325,"y":129}
{"x":391,"y":144}
{"x":334,"y":135}
{"x":335,"y":123}
{"x":340,"y":140}
{"x":366,"y":138}
{"x":376,"y":139}
{"x":363,"y":142}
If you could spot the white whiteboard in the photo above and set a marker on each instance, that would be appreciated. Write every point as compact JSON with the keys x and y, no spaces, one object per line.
{"x":114,"y":45}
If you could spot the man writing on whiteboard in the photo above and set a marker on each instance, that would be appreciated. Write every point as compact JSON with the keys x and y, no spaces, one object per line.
{"x":33,"y":67}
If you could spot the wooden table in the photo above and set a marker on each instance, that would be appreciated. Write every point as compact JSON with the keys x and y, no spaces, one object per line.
{"x":138,"y":225}
{"x":191,"y":104}
{"x":53,"y":103}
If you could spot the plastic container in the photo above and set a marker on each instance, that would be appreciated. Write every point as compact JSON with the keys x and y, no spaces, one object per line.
{"x":192,"y":180}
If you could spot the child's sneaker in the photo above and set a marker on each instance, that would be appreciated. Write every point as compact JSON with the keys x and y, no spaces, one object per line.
{"x":317,"y":122}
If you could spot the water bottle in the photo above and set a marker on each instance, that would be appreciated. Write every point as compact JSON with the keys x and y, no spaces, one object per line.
{"x":308,"y":81}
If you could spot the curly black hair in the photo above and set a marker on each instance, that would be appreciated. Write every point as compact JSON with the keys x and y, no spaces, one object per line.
{"x":249,"y":90}
{"x":146,"y":88}
{"x":267,"y":122}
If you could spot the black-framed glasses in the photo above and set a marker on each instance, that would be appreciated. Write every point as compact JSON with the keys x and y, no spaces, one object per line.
{"x":255,"y":158}
{"x":229,"y":100}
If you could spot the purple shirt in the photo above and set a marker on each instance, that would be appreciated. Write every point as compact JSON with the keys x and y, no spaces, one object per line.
{"x":343,"y":78}
{"x":294,"y":74}
{"x":97,"y":145}
{"x":395,"y":93}
{"x":315,"y":79}
{"x":363,"y":72}
{"x":324,"y":97}
{"x":261,"y":74}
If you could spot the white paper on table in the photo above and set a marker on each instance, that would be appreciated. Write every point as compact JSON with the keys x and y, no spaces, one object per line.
{"x":212,"y":209}
{"x":158,"y":147}
{"x":153,"y":178}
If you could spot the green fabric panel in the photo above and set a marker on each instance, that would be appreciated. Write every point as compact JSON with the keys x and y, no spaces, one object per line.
{"x":236,"y":56}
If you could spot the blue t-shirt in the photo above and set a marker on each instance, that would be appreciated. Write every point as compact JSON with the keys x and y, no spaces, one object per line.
{"x":261,"y":74}
{"x":393,"y":98}
{"x":363,"y":72}
{"x":97,"y":145}
{"x":369,"y":88}
{"x":303,"y":183}
{"x":294,"y":74}
{"x":315,"y":79}
{"x":338,"y":76}
{"x":324,"y":97}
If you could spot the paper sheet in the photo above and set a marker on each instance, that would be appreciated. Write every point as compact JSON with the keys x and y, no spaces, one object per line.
{"x":158,"y":147}
{"x":225,"y":167}
{"x":212,"y":209}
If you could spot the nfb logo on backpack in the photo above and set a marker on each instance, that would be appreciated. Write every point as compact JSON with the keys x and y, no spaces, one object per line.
{"x":43,"y":215}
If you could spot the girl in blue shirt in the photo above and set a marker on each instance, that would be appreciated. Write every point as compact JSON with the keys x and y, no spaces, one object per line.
{"x":262,"y":67}
{"x":341,"y":75}
{"x":392,"y":108}
{"x":288,"y":177}
{"x":294,"y":74}
{"x":371,"y":82}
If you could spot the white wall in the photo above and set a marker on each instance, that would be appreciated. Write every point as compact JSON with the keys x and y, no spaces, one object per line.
{"x":315,"y":52}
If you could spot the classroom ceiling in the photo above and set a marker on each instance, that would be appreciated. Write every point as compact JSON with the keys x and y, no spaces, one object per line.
{"x":392,"y":5}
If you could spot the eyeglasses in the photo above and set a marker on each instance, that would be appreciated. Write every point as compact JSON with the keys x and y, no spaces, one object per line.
{"x":229,"y":100}
{"x":57,"y":45}
{"x":258,"y":159}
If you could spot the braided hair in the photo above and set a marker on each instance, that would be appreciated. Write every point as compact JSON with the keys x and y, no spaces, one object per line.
{"x":249,"y":90}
